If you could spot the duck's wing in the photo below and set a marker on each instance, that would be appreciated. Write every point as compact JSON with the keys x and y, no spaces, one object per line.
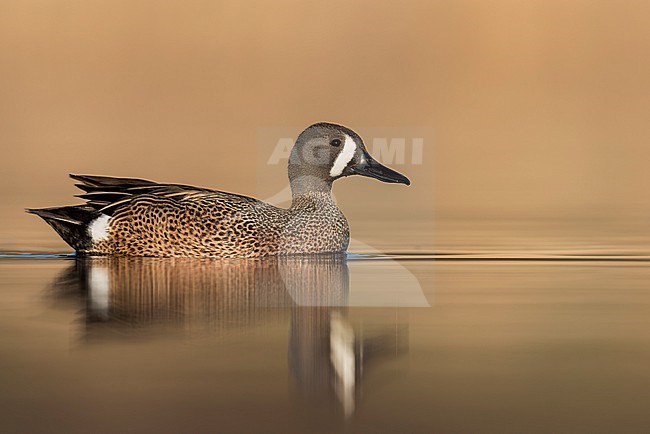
{"x":105,"y":194}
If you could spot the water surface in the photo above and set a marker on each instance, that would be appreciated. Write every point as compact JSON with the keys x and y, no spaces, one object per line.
{"x":363,"y":343}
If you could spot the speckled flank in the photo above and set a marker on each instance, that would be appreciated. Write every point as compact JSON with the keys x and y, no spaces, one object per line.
{"x":217,"y":224}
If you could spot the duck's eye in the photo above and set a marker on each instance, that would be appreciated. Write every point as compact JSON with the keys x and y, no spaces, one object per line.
{"x":335,"y":142}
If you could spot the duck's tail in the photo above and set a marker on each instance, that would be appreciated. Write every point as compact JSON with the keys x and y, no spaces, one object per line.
{"x":70,"y":222}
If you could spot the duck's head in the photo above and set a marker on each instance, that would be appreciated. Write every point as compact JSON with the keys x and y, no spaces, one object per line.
{"x":325,"y":152}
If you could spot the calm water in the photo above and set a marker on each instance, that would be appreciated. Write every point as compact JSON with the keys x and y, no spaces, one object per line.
{"x":549,"y":342}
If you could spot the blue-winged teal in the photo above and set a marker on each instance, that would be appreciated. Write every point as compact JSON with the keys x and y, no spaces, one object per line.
{"x":124,"y":216}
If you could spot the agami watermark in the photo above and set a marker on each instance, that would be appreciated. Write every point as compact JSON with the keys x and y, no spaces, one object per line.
{"x":388,"y":150}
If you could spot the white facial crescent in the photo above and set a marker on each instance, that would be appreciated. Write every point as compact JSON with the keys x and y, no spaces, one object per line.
{"x":344,"y":157}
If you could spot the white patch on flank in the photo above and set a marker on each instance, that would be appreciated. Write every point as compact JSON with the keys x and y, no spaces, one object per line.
{"x":344,"y":157}
{"x":98,"y":228}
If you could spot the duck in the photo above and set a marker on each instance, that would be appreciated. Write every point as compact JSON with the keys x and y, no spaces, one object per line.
{"x":138,"y":217}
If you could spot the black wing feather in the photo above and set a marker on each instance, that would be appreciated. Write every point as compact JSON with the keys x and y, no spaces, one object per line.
{"x":106,"y":193}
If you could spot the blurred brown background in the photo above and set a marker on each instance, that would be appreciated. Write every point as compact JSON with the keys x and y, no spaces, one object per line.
{"x":539,"y":109}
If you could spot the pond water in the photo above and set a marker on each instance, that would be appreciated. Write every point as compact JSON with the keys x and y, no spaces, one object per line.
{"x":409,"y":342}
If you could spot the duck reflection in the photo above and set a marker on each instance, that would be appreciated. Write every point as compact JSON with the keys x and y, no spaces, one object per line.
{"x":327,"y":351}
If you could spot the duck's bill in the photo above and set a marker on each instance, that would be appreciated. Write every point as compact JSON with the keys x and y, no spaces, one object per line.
{"x":371,"y":168}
